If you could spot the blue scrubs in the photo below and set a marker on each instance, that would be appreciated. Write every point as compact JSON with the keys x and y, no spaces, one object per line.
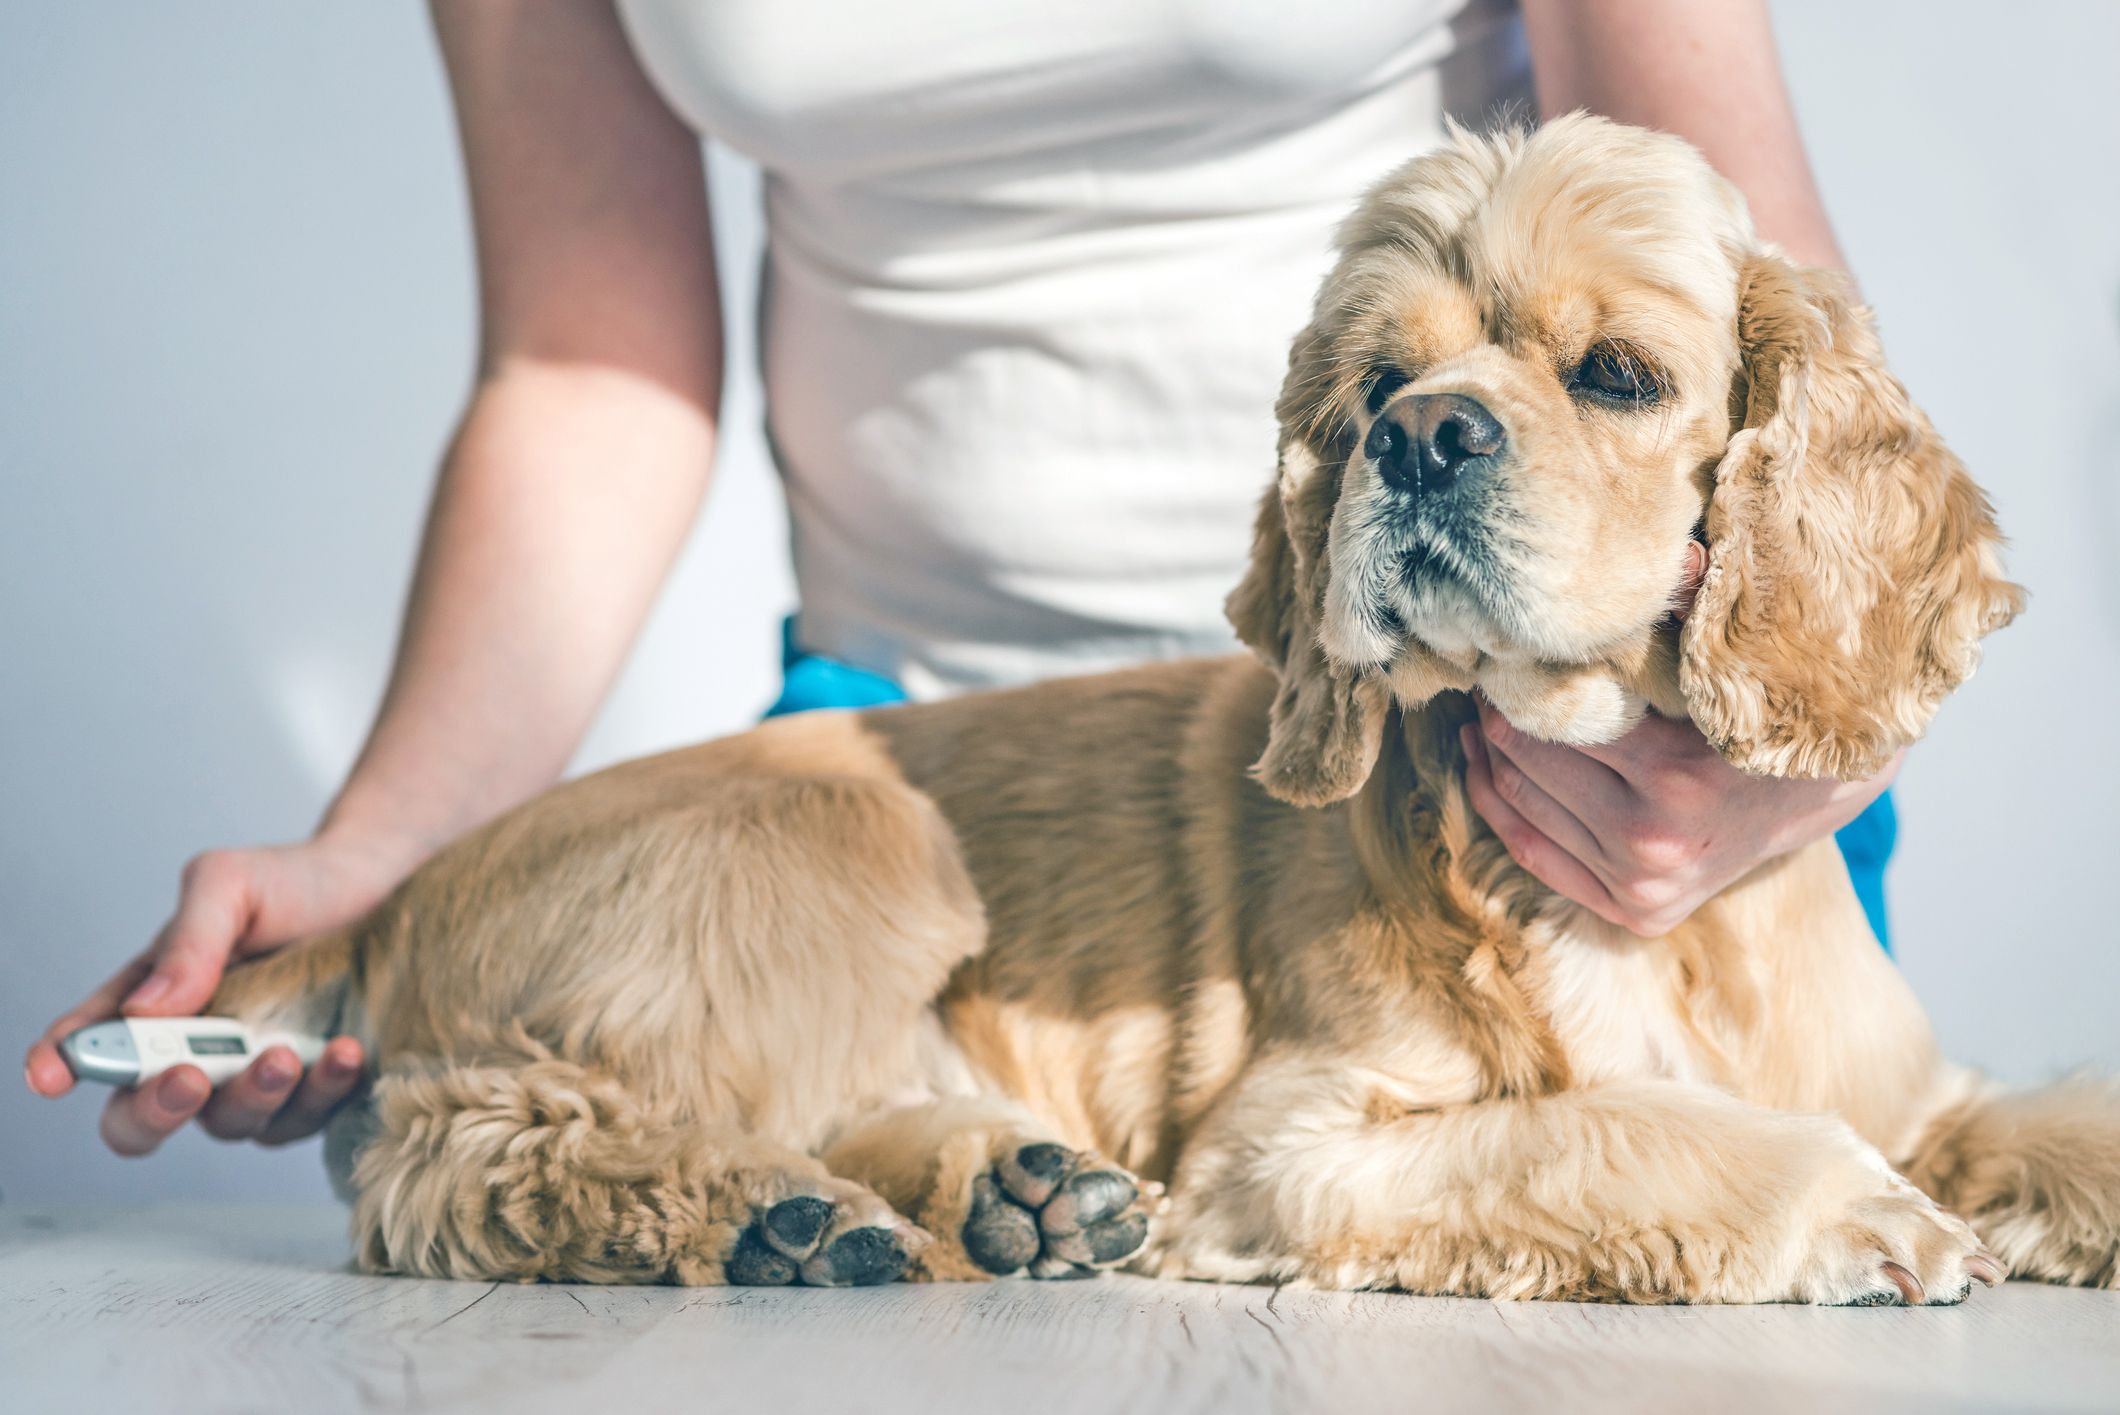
{"x":813,"y":681}
{"x":1866,"y":844}
{"x":810,"y":680}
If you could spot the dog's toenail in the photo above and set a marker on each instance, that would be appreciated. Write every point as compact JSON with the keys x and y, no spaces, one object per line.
{"x":1987,"y":1267}
{"x":1909,"y":1285}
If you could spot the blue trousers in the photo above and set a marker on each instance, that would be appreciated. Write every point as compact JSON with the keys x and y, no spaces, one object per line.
{"x":813,"y":681}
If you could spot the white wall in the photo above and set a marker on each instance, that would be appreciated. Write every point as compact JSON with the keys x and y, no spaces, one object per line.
{"x":235,"y":314}
{"x":1970,"y":156}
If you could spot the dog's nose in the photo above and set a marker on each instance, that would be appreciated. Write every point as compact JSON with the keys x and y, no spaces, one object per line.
{"x":1424,"y":441}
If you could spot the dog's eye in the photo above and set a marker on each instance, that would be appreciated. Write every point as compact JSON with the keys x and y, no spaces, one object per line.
{"x":1611,"y":372}
{"x":1382,"y":384}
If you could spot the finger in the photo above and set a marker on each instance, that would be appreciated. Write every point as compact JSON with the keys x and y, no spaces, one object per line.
{"x":325,"y":1087}
{"x":1544,"y":814}
{"x":1654,"y":744}
{"x":243,"y":1105}
{"x":136,"y":1121}
{"x":193,"y":947}
{"x":45,"y":1068}
{"x":45,"y":1072}
{"x":1584,"y":787}
{"x":1540,"y":857}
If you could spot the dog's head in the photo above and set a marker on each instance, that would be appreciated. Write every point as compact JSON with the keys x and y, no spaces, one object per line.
{"x":1542,"y":365}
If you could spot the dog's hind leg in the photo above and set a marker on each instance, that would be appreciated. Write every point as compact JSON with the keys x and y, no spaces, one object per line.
{"x":548,"y":1170}
{"x":2037,"y":1175}
{"x":996,"y":1191}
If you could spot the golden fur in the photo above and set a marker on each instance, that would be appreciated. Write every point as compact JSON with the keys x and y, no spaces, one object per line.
{"x":992,"y":983}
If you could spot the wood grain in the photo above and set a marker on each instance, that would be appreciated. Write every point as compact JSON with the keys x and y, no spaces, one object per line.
{"x":237,"y":1309}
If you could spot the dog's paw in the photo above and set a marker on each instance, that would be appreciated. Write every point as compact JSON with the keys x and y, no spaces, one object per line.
{"x":1057,"y":1212}
{"x":851,"y":1240}
{"x":1896,"y":1249}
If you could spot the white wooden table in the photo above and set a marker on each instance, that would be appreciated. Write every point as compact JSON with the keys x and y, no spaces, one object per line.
{"x":231,"y":1309}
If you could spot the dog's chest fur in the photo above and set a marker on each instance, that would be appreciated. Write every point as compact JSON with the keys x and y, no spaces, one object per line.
{"x":1616,"y":1003}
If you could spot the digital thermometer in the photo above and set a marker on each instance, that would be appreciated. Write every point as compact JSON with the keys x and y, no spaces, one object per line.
{"x":126,"y":1051}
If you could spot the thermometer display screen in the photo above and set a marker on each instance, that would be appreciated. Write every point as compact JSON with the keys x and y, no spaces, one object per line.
{"x":215,"y":1046}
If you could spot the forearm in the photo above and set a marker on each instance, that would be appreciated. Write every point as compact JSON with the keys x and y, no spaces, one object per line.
{"x":565,"y":497}
{"x":1703,"y":69}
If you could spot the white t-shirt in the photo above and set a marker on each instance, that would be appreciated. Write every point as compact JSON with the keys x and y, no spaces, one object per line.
{"x":1031,"y":276}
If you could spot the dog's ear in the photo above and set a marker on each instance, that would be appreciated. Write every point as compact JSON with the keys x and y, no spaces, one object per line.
{"x":1852,"y":564}
{"x":1327,"y":722}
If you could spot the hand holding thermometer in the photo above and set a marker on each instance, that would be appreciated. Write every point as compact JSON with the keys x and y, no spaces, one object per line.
{"x":127,"y":1051}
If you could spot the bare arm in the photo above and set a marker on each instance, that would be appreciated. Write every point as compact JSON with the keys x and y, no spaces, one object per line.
{"x":566,"y":494}
{"x":1706,"y":70}
{"x":581,"y":461}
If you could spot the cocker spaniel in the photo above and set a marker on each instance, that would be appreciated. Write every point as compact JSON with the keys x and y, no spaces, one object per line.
{"x":1206,"y":968}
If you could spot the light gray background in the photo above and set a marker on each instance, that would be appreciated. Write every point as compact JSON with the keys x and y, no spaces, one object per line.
{"x":236,"y":324}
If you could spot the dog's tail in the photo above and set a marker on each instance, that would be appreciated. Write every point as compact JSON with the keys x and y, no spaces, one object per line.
{"x":307,"y":987}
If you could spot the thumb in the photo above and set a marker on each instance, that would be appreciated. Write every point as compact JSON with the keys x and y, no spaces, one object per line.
{"x":192,"y":950}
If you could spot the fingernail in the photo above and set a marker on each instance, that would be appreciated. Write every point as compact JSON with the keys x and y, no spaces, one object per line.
{"x":150,"y":992}
{"x":275,"y":1074}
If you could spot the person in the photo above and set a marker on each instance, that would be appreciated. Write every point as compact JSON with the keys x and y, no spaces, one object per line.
{"x":1030,"y":279}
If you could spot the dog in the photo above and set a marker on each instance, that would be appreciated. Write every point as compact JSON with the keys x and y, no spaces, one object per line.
{"x":1206,"y":969}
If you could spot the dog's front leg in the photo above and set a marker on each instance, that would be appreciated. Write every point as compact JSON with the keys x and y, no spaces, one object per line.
{"x":1649,"y":1192}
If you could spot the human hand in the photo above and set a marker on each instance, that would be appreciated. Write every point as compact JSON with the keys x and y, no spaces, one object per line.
{"x":1643,"y":830}
{"x":232,"y":904}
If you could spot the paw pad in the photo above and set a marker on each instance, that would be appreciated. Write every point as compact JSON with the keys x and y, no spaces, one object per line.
{"x":1056,"y":1212}
{"x":999,"y":1234}
{"x":813,"y":1241}
{"x":794,"y":1225}
{"x":860,"y":1257}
